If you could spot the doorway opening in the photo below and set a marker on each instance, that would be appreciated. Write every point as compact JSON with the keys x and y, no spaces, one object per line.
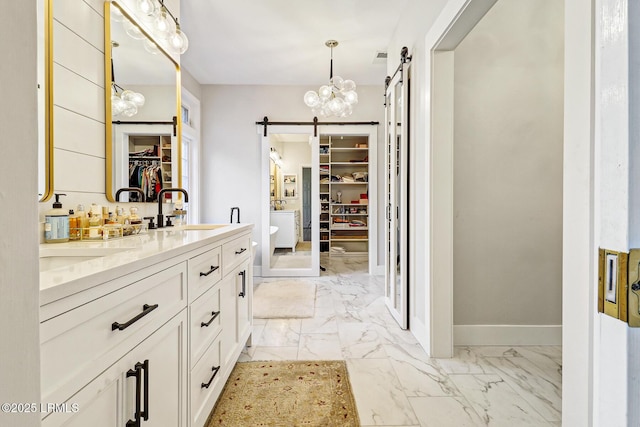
{"x":496,"y":178}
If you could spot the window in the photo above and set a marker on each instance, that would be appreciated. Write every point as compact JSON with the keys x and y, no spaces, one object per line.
{"x":190,"y":112}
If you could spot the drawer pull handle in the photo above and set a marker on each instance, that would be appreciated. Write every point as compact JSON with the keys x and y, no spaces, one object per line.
{"x":210,"y":271}
{"x":243,"y":273}
{"x":214,"y":314}
{"x":215,"y":370}
{"x":146,"y":309}
{"x":241,"y":251}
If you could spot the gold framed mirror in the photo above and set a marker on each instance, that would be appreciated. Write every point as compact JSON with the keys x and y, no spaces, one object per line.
{"x":45,"y":99}
{"x":143,"y":141}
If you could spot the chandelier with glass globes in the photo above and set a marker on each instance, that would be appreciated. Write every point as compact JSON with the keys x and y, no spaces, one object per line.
{"x":335,"y":99}
{"x":162,"y":25}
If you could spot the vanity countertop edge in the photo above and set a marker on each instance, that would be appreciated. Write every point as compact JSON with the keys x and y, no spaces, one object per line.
{"x":137,"y":252}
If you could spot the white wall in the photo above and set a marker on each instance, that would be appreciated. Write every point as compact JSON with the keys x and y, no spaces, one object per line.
{"x":159,"y":105}
{"x":508,"y":102}
{"x":19,"y":316}
{"x":231,"y":144}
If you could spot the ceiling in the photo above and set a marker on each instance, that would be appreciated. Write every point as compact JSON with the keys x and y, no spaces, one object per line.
{"x":282,"y":42}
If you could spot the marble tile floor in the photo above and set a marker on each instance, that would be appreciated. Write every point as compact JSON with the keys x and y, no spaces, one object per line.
{"x":393,"y":380}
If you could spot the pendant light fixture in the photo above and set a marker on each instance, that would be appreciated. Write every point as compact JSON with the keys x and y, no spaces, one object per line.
{"x":335,"y":99}
{"x":164,"y":27}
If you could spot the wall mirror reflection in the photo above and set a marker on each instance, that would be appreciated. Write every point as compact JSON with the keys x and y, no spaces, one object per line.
{"x":143,"y":146}
{"x":290,"y":205}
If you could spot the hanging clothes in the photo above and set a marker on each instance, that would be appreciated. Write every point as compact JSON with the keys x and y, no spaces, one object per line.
{"x":147,"y":176}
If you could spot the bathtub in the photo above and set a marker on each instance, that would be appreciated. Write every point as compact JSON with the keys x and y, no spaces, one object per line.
{"x":273,"y":230}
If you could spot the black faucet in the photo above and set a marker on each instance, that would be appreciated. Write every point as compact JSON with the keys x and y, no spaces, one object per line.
{"x":130,"y":189}
{"x":167,"y":190}
{"x":235,"y":209}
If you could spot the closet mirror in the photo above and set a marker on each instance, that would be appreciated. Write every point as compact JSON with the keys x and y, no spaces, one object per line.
{"x":142,"y":92}
{"x":290,"y":245}
{"x":45,"y":100}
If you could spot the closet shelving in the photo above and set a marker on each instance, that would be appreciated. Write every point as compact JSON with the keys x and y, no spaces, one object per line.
{"x":344,"y":186}
{"x":290,"y":186}
{"x":325,"y":195}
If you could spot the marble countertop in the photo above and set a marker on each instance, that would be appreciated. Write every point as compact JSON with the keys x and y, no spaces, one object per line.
{"x":122,"y":256}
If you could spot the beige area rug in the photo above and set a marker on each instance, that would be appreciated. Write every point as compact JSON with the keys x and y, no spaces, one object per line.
{"x":284,"y":299}
{"x":289,"y":393}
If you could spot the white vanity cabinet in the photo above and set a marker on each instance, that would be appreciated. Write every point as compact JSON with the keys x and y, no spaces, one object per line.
{"x":234,"y":294}
{"x":90,"y":337}
{"x":153,"y":347}
{"x":288,"y":223}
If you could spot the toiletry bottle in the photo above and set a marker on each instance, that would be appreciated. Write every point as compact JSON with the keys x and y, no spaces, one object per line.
{"x":56,"y":223}
{"x":180,"y":213}
{"x":83,"y":222}
{"x":134,"y":218}
{"x":119,"y":215}
{"x":105,"y":215}
{"x":74,"y":225}
{"x":95,"y":221}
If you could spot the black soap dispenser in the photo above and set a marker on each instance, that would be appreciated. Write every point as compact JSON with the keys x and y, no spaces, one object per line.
{"x":56,"y":223}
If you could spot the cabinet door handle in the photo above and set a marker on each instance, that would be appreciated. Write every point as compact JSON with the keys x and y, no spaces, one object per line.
{"x":243,"y":273}
{"x":146,"y":309}
{"x":215,"y":370}
{"x":136,"y":373}
{"x":210,"y":271}
{"x":215,"y":314}
{"x":240,"y":251}
{"x":145,"y":413}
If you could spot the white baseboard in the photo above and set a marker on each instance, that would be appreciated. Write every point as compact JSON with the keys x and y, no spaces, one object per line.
{"x":378,"y":270}
{"x":507,"y":334}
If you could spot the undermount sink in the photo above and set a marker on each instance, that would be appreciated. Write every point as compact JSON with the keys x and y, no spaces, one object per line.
{"x":197,"y":227}
{"x":53,"y":257}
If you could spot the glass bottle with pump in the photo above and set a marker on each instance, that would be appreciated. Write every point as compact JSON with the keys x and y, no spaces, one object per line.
{"x":56,"y":223}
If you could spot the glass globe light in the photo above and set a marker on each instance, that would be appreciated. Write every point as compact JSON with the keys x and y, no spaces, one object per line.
{"x":338,"y":83}
{"x":151,"y":47}
{"x":351,"y":97}
{"x":336,"y":106}
{"x":348,"y":85}
{"x":178,"y":41}
{"x":117,"y":105}
{"x":348,"y":109}
{"x":162,"y":24}
{"x":324,"y":92}
{"x":311,"y":99}
{"x":130,"y":109}
{"x":146,"y":7}
{"x":133,"y":31}
{"x":135,"y":97}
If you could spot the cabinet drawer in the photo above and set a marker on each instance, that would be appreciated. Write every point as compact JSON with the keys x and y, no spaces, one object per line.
{"x":89,"y":338}
{"x":205,"y":386}
{"x":204,"y":271}
{"x":234,"y":252}
{"x":205,"y":314}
